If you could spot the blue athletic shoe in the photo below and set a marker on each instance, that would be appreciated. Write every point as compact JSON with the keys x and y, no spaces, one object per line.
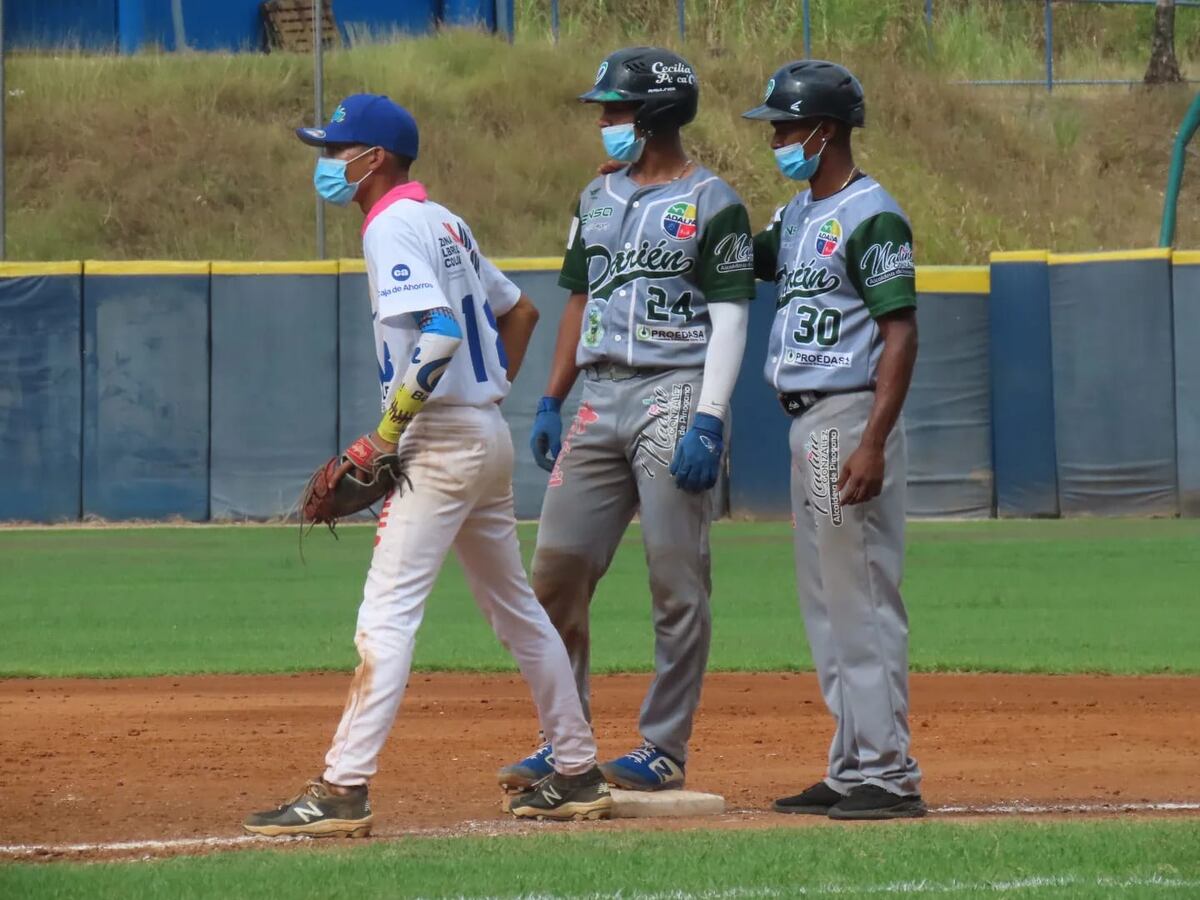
{"x":529,"y":771}
{"x":644,"y":769}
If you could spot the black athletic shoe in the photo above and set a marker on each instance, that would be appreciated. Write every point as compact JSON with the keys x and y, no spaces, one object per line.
{"x":870,"y":802}
{"x":814,"y":801}
{"x":317,"y":812}
{"x":558,"y":796}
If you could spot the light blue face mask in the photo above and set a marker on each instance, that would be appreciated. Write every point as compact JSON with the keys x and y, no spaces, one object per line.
{"x":329,"y":178}
{"x":622,"y":143}
{"x":794,"y":164}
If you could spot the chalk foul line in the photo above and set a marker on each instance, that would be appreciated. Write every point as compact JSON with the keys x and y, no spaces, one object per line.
{"x":493,"y":827}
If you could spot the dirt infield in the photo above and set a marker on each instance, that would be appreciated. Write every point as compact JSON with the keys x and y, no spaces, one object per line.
{"x":182,"y":757}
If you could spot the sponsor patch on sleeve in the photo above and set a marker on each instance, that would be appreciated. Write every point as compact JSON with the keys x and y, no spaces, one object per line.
{"x":883,"y":262}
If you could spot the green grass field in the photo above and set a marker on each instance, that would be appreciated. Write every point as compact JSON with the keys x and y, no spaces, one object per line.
{"x":1059,"y":596}
{"x":1018,"y":596}
{"x":1098,"y":859}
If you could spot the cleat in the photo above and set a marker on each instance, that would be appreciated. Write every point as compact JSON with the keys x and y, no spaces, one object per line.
{"x":813,"y":801}
{"x":316,"y":812}
{"x":566,"y":797}
{"x":644,"y":769}
{"x":868,"y":801}
{"x":523,"y":775}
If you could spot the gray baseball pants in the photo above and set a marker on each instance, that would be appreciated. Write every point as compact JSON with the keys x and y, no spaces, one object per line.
{"x":614,"y":463}
{"x":849,"y":560}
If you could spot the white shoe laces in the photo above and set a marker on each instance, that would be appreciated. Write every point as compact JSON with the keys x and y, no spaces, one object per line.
{"x":644,"y":753}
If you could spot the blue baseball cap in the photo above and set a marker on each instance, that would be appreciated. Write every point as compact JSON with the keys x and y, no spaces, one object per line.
{"x":372,"y":120}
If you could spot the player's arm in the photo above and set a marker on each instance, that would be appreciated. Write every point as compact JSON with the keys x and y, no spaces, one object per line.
{"x":766,"y":248}
{"x":727,"y":278}
{"x":546,"y":438}
{"x":516,"y":316}
{"x":440,"y":338}
{"x":400,"y":261}
{"x":516,"y":330}
{"x":879,"y":262}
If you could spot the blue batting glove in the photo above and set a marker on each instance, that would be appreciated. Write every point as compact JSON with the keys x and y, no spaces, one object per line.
{"x":547,"y":432}
{"x":698,"y":456}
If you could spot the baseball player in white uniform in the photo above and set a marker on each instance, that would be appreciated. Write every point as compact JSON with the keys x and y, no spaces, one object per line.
{"x":432,"y":292}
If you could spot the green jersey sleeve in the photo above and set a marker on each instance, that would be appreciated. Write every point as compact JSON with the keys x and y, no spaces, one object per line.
{"x":766,"y":248}
{"x":726,"y":264}
{"x":574,"y":273}
{"x":879,"y":262}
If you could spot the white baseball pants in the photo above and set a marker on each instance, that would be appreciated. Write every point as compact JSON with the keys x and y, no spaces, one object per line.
{"x":460,"y":459}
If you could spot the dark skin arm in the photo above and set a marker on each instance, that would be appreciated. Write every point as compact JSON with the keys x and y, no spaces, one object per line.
{"x":516,"y":328}
{"x":563,"y":370}
{"x":862,"y":474}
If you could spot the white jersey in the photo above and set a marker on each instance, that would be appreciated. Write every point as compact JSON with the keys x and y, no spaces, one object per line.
{"x":421,"y":256}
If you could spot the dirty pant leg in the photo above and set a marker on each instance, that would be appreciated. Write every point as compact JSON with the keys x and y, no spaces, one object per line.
{"x":490,"y":554}
{"x":588,"y":505}
{"x":675,"y":535}
{"x":416,"y":529}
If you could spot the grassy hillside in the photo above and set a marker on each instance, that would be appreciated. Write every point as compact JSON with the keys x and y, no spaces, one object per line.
{"x":192,"y":156}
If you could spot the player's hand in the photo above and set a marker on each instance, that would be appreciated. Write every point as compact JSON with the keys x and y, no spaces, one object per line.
{"x":698,"y":456}
{"x":609,"y":166}
{"x":365,"y":452}
{"x":862,"y":475}
{"x":547,"y":432}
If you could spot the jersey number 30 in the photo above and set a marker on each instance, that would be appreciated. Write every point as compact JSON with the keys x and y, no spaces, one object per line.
{"x":824,"y":326}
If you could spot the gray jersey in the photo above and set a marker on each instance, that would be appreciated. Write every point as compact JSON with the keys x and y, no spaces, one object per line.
{"x":838,"y":264}
{"x":651,"y":259}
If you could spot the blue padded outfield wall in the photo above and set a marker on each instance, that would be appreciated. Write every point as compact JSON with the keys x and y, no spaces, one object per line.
{"x":1186,"y":290}
{"x":1114,"y":383}
{"x":41,"y":384}
{"x":145,"y":390}
{"x":1045,"y":385}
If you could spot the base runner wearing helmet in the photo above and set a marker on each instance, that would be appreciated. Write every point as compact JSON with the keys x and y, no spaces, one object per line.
{"x":659,"y":264}
{"x":841,"y":355}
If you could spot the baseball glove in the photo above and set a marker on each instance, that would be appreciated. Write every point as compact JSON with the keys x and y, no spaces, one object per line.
{"x":354,"y":481}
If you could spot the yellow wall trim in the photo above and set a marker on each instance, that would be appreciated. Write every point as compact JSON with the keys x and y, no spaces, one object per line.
{"x":351,"y":266}
{"x":1066,"y":259}
{"x":34,"y":269}
{"x":1004,"y":256}
{"x":144,"y":267}
{"x":953,"y":280}
{"x":529,"y":264}
{"x":1186,"y":257}
{"x":308,"y":267}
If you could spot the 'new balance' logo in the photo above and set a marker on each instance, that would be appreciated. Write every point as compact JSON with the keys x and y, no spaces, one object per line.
{"x":662,"y":768}
{"x":309,"y":812}
{"x":551,"y":794}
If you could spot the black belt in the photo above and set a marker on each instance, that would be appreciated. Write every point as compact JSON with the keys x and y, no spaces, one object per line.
{"x":797,"y":403}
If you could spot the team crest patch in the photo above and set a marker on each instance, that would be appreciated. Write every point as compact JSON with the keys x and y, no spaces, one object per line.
{"x":339,"y":115}
{"x":829,"y":238}
{"x":679,"y":221}
{"x":600,"y":72}
{"x":770,"y":90}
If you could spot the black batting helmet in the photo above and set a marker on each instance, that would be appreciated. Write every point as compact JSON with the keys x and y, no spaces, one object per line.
{"x":662,"y":81}
{"x":809,"y":89}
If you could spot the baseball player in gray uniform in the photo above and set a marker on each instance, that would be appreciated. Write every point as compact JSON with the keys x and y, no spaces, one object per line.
{"x":841,"y":355}
{"x":659,"y":264}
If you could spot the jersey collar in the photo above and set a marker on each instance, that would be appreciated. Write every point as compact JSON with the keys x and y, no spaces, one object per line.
{"x":410,"y":190}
